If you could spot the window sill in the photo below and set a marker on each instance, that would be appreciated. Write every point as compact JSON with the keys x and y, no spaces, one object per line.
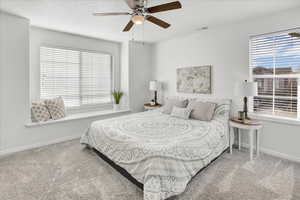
{"x":277,"y":119}
{"x":77,"y":116}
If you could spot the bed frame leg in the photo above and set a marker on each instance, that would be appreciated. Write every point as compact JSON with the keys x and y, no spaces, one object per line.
{"x":86,"y":146}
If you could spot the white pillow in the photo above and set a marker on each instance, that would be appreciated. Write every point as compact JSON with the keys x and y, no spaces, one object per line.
{"x":39,"y":112}
{"x":170,"y":103}
{"x":56,"y":107}
{"x":183,"y":113}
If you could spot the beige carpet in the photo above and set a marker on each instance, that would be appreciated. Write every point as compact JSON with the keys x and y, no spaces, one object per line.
{"x":66,"y":171}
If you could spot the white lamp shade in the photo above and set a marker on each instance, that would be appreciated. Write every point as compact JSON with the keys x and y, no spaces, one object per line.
{"x":246,"y":89}
{"x":154,"y":85}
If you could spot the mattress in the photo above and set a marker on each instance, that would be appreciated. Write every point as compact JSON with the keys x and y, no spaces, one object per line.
{"x":158,"y":150}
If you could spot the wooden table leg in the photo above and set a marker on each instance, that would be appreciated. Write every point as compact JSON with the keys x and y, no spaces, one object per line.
{"x":251,"y":133}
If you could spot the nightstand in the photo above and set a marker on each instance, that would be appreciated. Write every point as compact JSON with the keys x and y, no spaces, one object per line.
{"x":148,"y":106}
{"x":253,"y":130}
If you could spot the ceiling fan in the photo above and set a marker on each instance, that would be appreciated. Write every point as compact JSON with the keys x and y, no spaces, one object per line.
{"x":294,"y":34}
{"x":140,"y":13}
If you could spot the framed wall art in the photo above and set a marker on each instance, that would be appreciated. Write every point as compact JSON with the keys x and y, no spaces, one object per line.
{"x":194,"y":79}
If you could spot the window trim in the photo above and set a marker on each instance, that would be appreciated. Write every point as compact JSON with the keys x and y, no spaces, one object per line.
{"x":268,"y":117}
{"x":275,"y":119}
{"x":88,"y":107}
{"x":273,"y":33}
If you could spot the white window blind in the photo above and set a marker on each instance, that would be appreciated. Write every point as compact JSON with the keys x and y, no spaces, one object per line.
{"x":275,"y":65}
{"x":81,"y":78}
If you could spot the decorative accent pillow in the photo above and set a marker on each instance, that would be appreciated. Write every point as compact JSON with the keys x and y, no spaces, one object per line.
{"x":170,"y":103}
{"x":203,"y":111}
{"x":183,"y":113}
{"x":56,"y":107}
{"x":39,"y":112}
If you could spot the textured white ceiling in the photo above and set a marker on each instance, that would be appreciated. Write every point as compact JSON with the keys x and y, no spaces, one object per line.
{"x":75,"y":16}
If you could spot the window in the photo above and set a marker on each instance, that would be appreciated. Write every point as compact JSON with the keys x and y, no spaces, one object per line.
{"x":275,"y":66}
{"x":81,"y":78}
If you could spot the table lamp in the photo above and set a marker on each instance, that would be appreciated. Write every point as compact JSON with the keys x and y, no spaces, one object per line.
{"x":246,"y":89}
{"x":154,"y":86}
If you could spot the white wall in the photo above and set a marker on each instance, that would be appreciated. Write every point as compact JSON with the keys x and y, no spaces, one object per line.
{"x":125,"y":73}
{"x":15,"y":73}
{"x":226,"y":48}
{"x":140,"y":62}
{"x":14,"y":77}
{"x":2,"y":54}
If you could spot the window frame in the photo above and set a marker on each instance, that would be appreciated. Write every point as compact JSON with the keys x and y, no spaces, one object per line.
{"x":265,"y":116}
{"x":87,"y":107}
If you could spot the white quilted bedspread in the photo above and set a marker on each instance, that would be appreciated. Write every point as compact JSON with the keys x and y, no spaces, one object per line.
{"x":160,"y":151}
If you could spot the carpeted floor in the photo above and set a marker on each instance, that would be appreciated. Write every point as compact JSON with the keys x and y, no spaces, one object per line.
{"x":66,"y":171}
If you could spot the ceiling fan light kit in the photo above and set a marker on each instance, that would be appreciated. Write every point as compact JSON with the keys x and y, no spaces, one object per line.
{"x":138,"y":19}
{"x":140,"y":13}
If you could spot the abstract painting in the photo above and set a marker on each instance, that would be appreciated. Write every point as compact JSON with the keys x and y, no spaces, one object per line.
{"x":194,"y":80}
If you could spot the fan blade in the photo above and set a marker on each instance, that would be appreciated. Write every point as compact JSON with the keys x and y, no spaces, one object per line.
{"x":111,"y":14}
{"x":157,"y":21}
{"x":128,"y":26}
{"x":133,"y":4}
{"x":165,"y":7}
{"x":294,"y":34}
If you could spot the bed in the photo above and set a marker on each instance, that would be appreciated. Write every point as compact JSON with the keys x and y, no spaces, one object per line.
{"x":161,"y":153}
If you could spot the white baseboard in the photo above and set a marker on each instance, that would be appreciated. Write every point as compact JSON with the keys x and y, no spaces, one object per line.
{"x":63,"y":139}
{"x":275,"y":153}
{"x":36,"y":145}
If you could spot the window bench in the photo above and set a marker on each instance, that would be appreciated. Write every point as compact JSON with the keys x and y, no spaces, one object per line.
{"x":78,"y":116}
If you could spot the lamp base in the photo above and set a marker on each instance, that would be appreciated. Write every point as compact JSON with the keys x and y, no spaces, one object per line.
{"x":155,"y":98}
{"x":246,"y":107}
{"x":242,"y":115}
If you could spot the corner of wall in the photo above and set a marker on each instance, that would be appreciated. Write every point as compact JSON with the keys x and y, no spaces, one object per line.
{"x":125,"y":74}
{"x":14,"y":74}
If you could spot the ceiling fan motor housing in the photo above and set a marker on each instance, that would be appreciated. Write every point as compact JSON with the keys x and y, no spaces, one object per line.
{"x":140,"y":13}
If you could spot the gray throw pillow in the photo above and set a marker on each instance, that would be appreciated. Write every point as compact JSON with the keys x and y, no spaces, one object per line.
{"x":183,"y":113}
{"x":203,"y":111}
{"x":170,"y":103}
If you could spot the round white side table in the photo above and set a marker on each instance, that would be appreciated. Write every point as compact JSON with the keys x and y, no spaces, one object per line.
{"x":251,"y":130}
{"x":148,"y":107}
